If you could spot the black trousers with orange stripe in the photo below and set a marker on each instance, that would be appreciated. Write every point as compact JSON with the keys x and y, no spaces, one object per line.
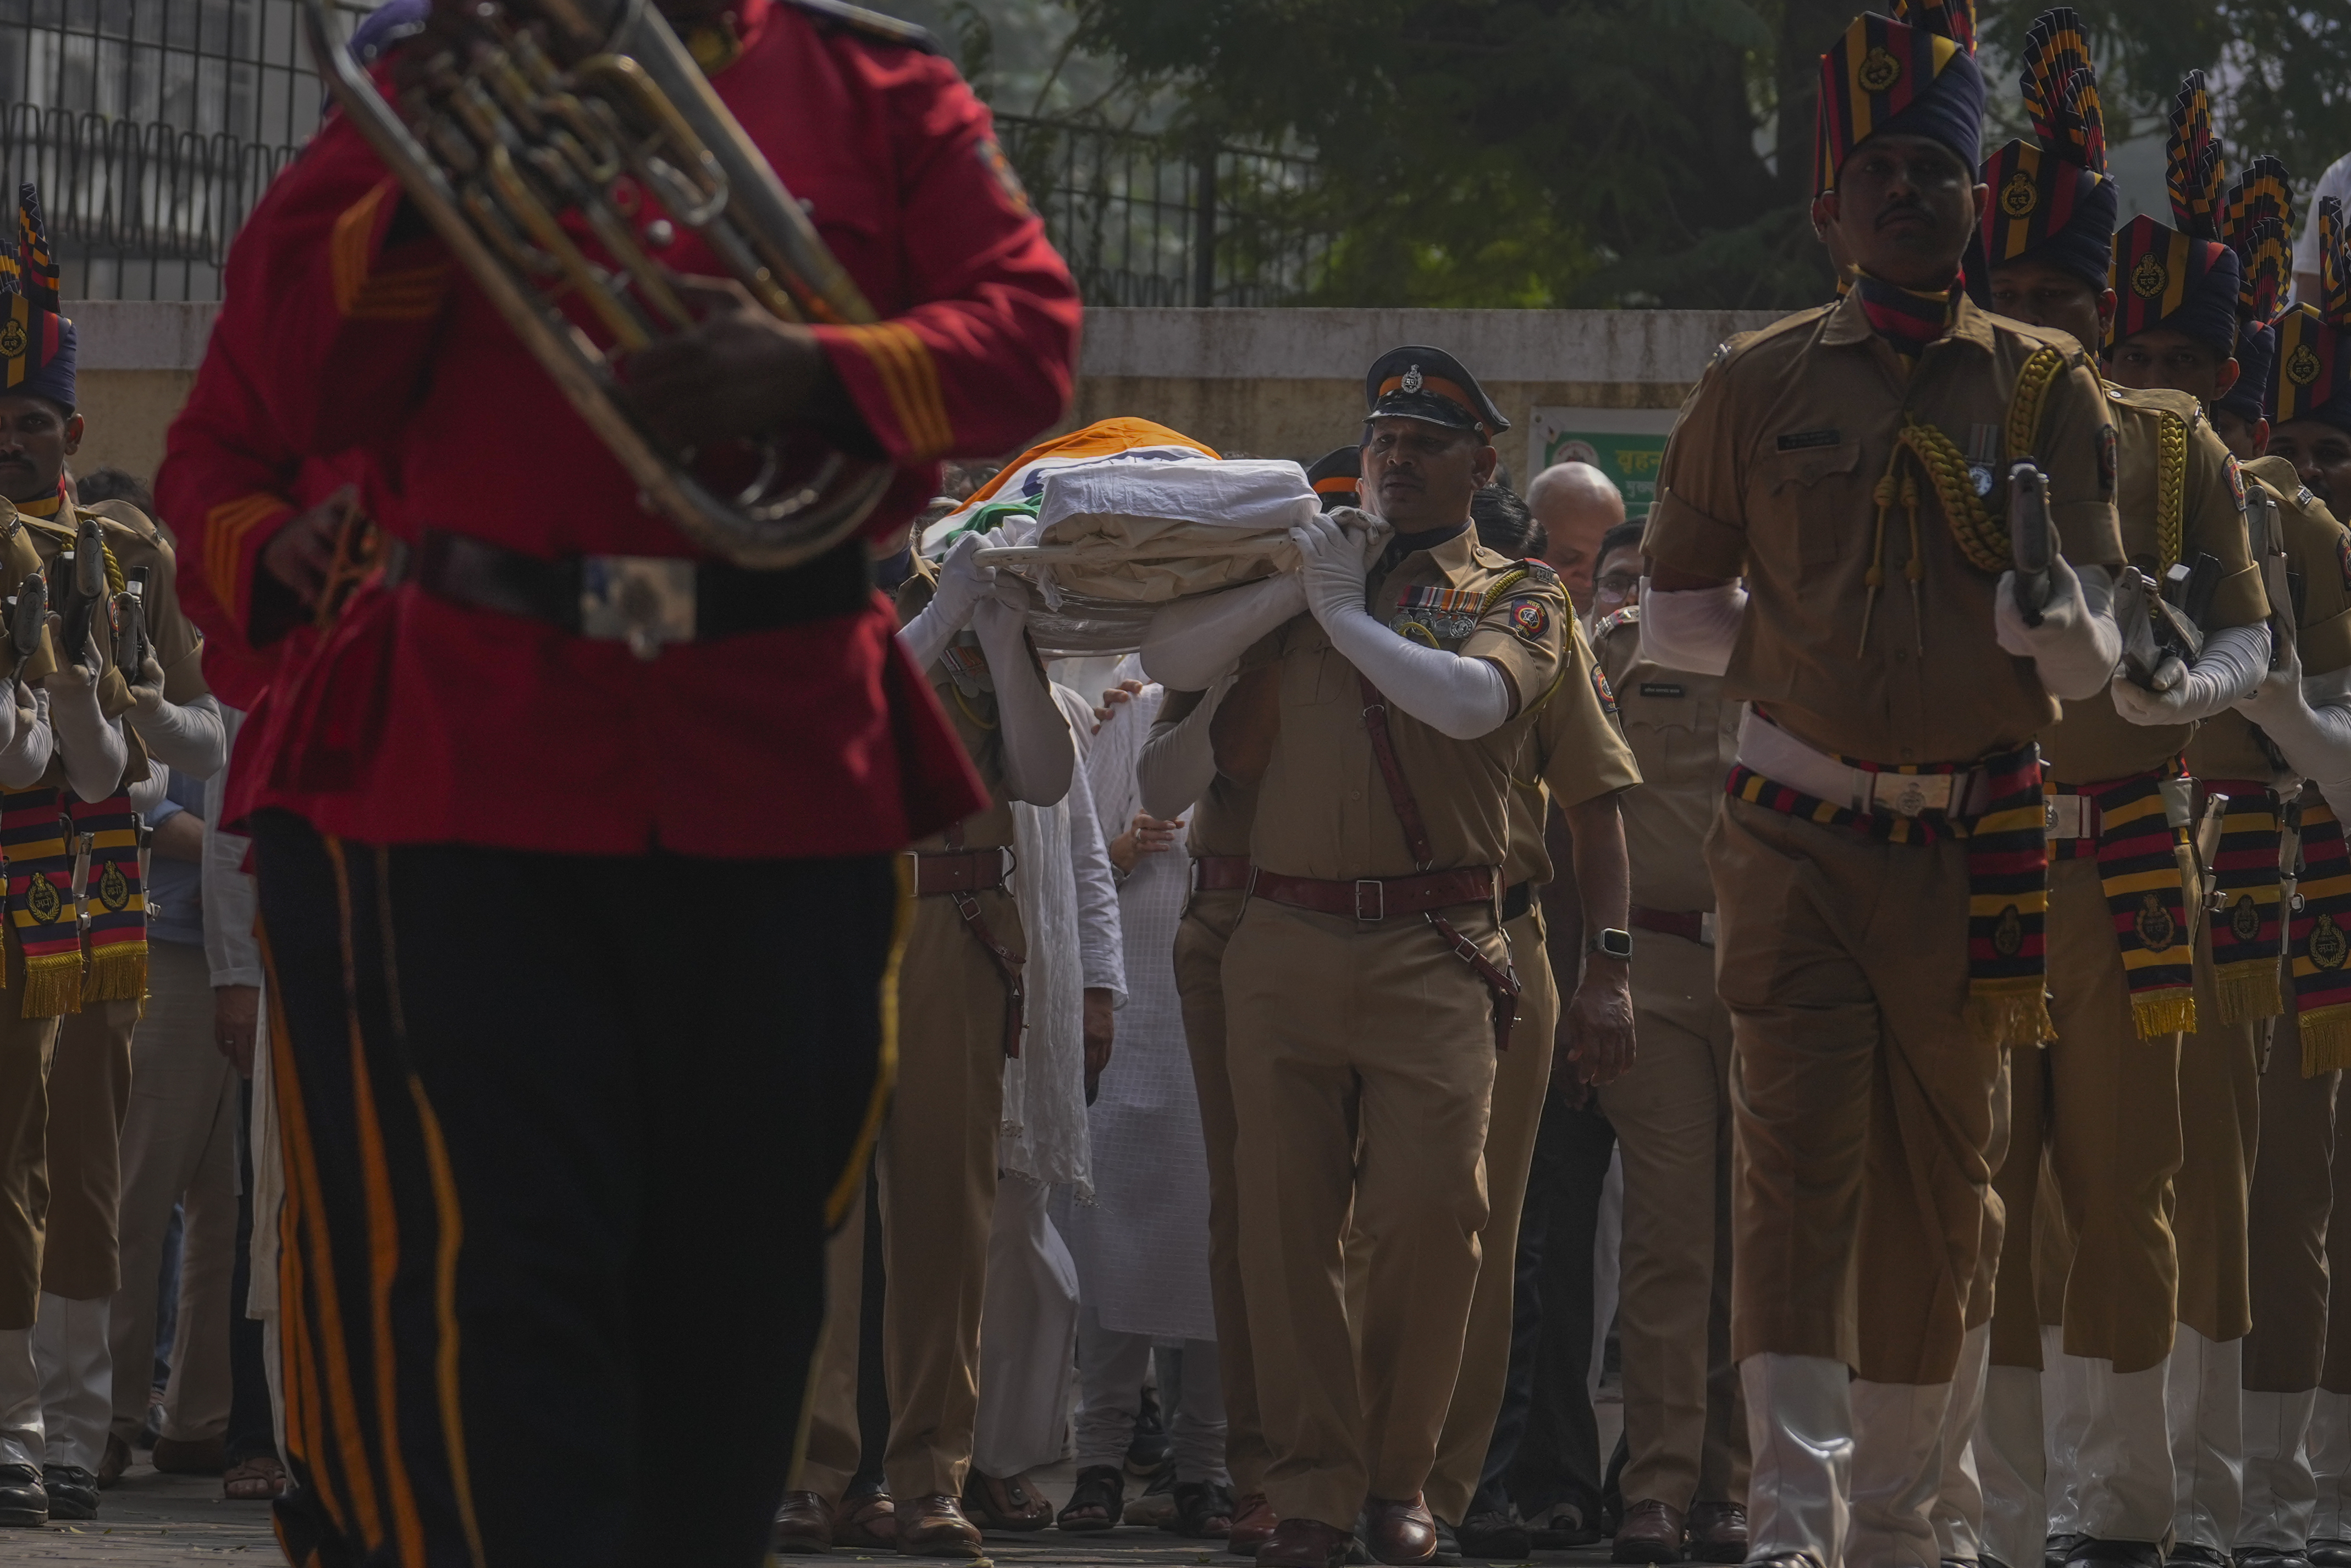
{"x":560,"y":1133}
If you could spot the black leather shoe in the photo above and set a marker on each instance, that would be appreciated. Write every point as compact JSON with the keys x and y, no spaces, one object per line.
{"x":1449,"y":1545}
{"x":2330,"y":1554}
{"x":2270,"y":1557}
{"x":2057,"y":1548}
{"x":2190,"y":1554}
{"x":73,"y":1491}
{"x":23,"y":1499}
{"x":1494,"y":1535}
{"x":2090,"y":1552}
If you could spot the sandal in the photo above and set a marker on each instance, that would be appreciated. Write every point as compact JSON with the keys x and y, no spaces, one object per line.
{"x":257,"y":1479}
{"x":1004,"y":1502}
{"x":1204,"y":1510}
{"x":1102,"y":1494}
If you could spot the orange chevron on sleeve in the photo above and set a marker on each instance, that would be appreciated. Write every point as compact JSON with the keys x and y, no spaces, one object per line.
{"x":911,"y":379}
{"x":362,"y":293}
{"x":227,"y":526}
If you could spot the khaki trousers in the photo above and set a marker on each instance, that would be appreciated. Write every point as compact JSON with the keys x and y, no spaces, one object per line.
{"x":26,"y":1046}
{"x":2292,"y":1195}
{"x":1200,"y":939}
{"x":2104,"y":1110}
{"x":2334,"y":1372}
{"x":90,"y":1096}
{"x":1522,"y":1082}
{"x":1685,"y":1425}
{"x":830,"y":1447}
{"x":937,"y":1183}
{"x":2220,"y":1131}
{"x":1862,"y":1103}
{"x":1362,"y":1066}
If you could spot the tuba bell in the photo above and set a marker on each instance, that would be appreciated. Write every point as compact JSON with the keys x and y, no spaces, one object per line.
{"x":528,"y":113}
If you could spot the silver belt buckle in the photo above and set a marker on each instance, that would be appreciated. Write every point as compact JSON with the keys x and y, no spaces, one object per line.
{"x":1911,"y":794}
{"x":645,"y":600}
{"x":1706,"y":928}
{"x":1379,"y":909}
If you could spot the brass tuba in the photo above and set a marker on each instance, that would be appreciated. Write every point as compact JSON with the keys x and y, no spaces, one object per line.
{"x":532,"y":116}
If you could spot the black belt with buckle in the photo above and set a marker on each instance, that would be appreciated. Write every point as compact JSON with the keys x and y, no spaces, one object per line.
{"x":645,"y":600}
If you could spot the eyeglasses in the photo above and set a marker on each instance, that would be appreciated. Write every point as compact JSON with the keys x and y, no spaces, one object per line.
{"x":1616,"y":584}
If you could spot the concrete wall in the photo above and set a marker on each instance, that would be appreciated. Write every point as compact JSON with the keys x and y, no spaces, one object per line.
{"x":1280,"y":383}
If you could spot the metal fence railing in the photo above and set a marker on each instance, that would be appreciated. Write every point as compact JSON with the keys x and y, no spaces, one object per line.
{"x":153,"y":126}
{"x":1148,"y":220}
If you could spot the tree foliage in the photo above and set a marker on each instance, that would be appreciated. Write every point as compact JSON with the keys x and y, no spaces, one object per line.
{"x":1499,"y":152}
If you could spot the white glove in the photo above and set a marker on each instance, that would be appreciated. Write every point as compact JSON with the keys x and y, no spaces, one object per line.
{"x":963,"y":583}
{"x":95,"y":752}
{"x":26,"y":757}
{"x":1194,"y":640}
{"x":1695,"y":629}
{"x":2077,"y":644}
{"x":1331,"y":565}
{"x":149,"y":793}
{"x":189,"y":736}
{"x":1039,"y":753}
{"x":2310,"y":721}
{"x":2233,"y":661}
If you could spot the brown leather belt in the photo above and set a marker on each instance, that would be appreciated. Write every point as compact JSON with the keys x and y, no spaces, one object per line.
{"x":1688,"y":925}
{"x":1220,"y":874}
{"x":961,"y":871}
{"x":1374,"y":898}
{"x":975,"y":864}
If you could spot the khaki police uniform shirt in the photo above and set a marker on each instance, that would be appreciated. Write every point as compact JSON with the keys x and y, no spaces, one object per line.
{"x":2318,"y":570}
{"x":965,"y":689}
{"x":1770,"y":475}
{"x":1684,"y":733}
{"x":1575,"y":752}
{"x":2094,"y":742}
{"x":1323,"y":810}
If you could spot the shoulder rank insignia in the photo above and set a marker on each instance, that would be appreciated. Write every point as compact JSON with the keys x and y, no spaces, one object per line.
{"x":1629,"y":616}
{"x":1449,"y":613}
{"x":1538,"y":570}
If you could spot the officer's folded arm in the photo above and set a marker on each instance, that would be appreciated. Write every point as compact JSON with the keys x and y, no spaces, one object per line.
{"x":1460,"y":698}
{"x":2076,"y":645}
{"x":1191,"y":642}
{"x":1039,"y":753}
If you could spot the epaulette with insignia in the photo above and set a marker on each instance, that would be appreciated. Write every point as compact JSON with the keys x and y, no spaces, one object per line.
{"x":872,"y":24}
{"x":1629,"y":616}
{"x":1540,"y":570}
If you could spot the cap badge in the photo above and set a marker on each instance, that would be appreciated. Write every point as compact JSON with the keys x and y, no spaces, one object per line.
{"x":2301,"y":367}
{"x":1879,"y":70}
{"x":2148,"y":277}
{"x":1410,"y":381}
{"x":12,"y":338}
{"x":2020,"y":195}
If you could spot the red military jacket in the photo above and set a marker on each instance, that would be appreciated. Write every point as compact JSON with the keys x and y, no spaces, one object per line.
{"x":417,"y":719}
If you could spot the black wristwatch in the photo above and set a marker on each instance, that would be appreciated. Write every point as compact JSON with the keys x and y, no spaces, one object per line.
{"x":1614,"y":942}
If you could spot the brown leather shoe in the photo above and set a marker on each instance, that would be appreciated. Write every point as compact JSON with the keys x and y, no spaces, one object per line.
{"x":1399,"y":1530}
{"x":1253,"y":1522}
{"x":934,"y":1526}
{"x":1718,"y":1532}
{"x":1652,"y":1532}
{"x":868,"y":1521}
{"x":804,"y":1525}
{"x":1307,"y":1544}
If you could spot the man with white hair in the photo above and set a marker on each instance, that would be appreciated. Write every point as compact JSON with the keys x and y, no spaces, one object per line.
{"x":1576,"y":504}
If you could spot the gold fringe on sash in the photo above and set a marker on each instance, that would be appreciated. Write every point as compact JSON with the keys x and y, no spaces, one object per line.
{"x":118,"y":974}
{"x":52,"y":985}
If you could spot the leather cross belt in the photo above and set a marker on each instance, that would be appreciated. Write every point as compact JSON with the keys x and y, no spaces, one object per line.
{"x":960,"y":871}
{"x":1370,"y":899}
{"x":1220,"y":874}
{"x":1690,"y":926}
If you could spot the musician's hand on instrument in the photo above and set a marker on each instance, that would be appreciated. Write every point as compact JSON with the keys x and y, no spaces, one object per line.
{"x":1331,"y":565}
{"x":301,"y":554}
{"x":738,"y":371}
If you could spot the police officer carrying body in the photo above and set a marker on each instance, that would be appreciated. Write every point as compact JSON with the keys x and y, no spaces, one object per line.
{"x":1368,"y":985}
{"x":1576,"y":758}
{"x":2104,"y":1100}
{"x":177,"y":722}
{"x":2296,"y":1403}
{"x":961,"y":1013}
{"x":2192,"y":296}
{"x":1878,"y":865}
{"x":1177,"y":772}
{"x":1685,"y":1429}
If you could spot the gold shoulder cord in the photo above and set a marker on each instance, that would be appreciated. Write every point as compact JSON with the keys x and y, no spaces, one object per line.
{"x":1981,"y":536}
{"x":2170,"y":487}
{"x":1502,"y":584}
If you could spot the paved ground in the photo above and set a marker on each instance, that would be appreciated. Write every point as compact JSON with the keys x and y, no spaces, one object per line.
{"x":168,"y":1521}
